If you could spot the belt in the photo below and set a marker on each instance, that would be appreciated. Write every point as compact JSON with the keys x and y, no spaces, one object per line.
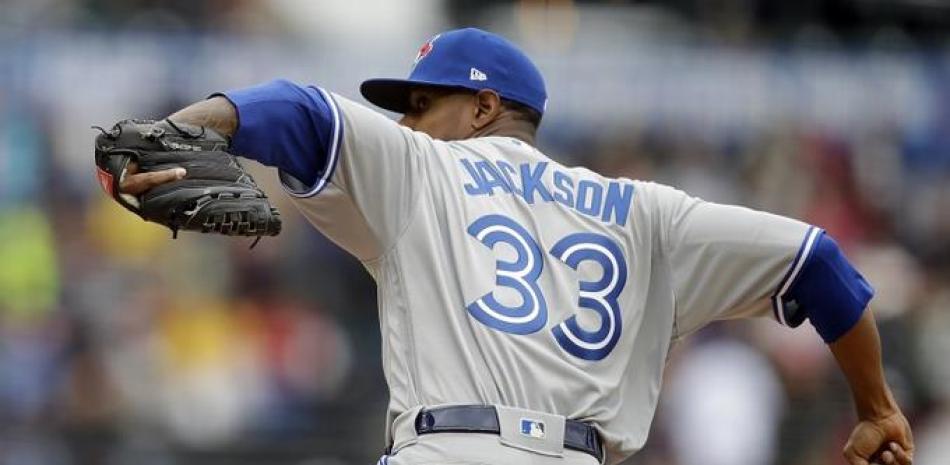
{"x":483,"y":419}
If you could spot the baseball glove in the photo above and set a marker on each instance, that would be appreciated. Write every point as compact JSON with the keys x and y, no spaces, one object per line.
{"x":215,"y":196}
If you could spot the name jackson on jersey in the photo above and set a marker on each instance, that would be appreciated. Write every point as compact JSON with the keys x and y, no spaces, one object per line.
{"x":528,"y":181}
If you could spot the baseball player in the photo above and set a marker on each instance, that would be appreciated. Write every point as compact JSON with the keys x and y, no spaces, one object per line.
{"x":527,"y":308}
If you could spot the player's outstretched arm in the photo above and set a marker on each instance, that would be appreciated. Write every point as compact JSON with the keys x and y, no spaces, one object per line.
{"x":835,"y":299}
{"x":820,"y":285}
{"x":883,"y":432}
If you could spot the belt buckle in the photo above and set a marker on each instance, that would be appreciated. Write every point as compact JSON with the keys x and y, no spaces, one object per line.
{"x":424,"y":422}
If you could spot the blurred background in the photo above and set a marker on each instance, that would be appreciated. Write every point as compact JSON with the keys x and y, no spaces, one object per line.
{"x":119,"y":345}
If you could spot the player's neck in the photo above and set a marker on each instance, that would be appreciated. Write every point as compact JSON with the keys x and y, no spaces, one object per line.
{"x":506,"y":127}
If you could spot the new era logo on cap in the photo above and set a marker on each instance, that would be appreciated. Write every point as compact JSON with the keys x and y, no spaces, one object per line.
{"x":476,"y":75}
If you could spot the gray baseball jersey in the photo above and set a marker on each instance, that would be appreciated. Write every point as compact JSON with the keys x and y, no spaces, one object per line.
{"x":506,"y":278}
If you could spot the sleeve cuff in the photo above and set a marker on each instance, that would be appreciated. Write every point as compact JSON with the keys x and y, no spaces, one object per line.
{"x":299,"y":189}
{"x":789,"y":313}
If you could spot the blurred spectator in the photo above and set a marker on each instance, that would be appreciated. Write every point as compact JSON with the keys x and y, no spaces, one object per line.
{"x":724,"y":407}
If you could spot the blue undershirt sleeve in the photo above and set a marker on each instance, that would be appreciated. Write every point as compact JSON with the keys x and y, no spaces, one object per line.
{"x":293,"y":128}
{"x":829,"y":291}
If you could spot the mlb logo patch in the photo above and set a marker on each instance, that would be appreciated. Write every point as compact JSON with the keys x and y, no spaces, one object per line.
{"x":532,"y":428}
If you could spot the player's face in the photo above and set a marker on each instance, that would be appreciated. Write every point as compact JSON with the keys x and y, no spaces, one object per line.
{"x":441,"y":113}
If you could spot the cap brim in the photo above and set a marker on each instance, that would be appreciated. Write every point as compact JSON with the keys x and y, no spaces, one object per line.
{"x":393,"y":94}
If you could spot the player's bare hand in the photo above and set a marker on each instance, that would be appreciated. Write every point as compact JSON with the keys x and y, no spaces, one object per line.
{"x":883,"y":441}
{"x":136,"y":183}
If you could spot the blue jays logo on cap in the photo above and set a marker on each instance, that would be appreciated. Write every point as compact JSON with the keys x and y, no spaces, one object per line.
{"x":468,"y":59}
{"x":425,"y":49}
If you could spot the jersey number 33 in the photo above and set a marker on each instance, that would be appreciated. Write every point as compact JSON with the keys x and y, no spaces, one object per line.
{"x":521,"y":275}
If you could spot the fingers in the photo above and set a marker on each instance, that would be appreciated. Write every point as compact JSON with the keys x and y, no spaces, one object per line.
{"x":895,"y":455}
{"x":136,"y":184}
{"x":888,"y":458}
{"x":902,"y":457}
{"x":886,"y":442}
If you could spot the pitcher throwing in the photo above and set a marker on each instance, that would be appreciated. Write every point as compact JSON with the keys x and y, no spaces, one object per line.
{"x":526,"y":308}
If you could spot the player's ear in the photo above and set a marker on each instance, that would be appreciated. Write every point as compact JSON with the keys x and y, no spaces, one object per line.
{"x":487,"y":107}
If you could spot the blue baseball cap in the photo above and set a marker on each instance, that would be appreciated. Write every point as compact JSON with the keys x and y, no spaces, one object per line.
{"x":469,"y":59}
